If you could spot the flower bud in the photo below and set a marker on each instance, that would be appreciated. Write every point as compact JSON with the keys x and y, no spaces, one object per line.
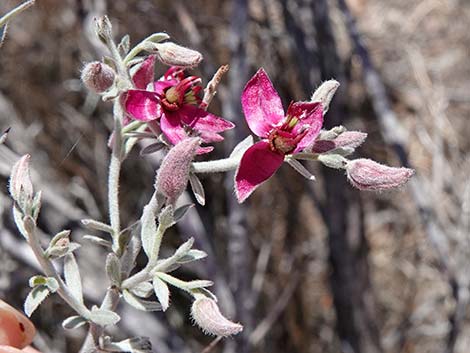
{"x":206,"y":314}
{"x":97,"y":77}
{"x":175,"y":55}
{"x":103,"y":28}
{"x":173,"y":174}
{"x":348,"y":139}
{"x":324,"y":94}
{"x":21,"y":187}
{"x":365,"y":174}
{"x":15,"y":329}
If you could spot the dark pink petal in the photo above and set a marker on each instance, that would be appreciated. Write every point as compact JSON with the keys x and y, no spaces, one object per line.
{"x":201,"y":120}
{"x":142,"y":105}
{"x":261,"y":104}
{"x":160,"y":86}
{"x":170,"y":123}
{"x":311,"y":120}
{"x":257,"y":165}
{"x":208,"y":137}
{"x":145,"y":73}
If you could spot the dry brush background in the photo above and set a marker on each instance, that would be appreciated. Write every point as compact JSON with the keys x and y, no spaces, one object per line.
{"x":306,"y":267}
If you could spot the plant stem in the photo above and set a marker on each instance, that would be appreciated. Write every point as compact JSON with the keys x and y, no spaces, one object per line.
{"x":8,"y":16}
{"x":216,"y":166}
{"x":50,"y":271}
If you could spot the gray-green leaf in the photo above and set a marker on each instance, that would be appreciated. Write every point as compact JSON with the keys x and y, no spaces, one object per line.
{"x":143,"y":289}
{"x":113,"y":268}
{"x":103,"y":317}
{"x":72,"y":276}
{"x":34,"y":298}
{"x":162,"y":292}
{"x":140,"y":304}
{"x":73,"y":322}
{"x":198,"y":189}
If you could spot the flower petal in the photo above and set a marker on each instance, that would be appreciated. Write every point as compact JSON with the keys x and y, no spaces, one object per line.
{"x":170,"y":123}
{"x":201,"y":120}
{"x":143,"y":105}
{"x":261,"y":104}
{"x":311,"y":119}
{"x":257,"y":165}
{"x":160,"y":86}
{"x":145,"y":73}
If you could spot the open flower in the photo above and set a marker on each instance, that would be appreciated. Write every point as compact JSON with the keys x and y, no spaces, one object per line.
{"x":174,"y":101}
{"x":282,"y":134}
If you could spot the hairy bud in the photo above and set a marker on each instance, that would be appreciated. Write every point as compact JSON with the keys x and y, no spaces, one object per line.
{"x":15,"y":329}
{"x":103,"y":28}
{"x":173,"y":174}
{"x":324,"y":94}
{"x":365,"y":174}
{"x":207,"y":316}
{"x":97,"y":77}
{"x":348,"y":139}
{"x":21,"y":187}
{"x":175,"y":55}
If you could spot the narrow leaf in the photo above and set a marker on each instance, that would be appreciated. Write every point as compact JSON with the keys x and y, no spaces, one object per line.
{"x":162,"y":292}
{"x":185,"y":285}
{"x":113,"y":268}
{"x":181,"y":211}
{"x":300,"y":169}
{"x":96,"y":225}
{"x":140,"y":304}
{"x":198,"y":189}
{"x":133,"y":345}
{"x":192,"y":255}
{"x":73,"y":322}
{"x":149,"y":229}
{"x":154,"y":147}
{"x":34,"y":298}
{"x":3,"y":33}
{"x":72,"y":276}
{"x":98,"y":241}
{"x":143,"y":290}
{"x":61,"y":235}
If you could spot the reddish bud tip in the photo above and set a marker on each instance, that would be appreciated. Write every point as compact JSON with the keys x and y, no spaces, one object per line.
{"x":97,"y":77}
{"x":207,"y":316}
{"x":365,"y":174}
{"x":173,"y":174}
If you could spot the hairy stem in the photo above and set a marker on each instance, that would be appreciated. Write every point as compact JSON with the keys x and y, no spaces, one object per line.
{"x":216,"y":166}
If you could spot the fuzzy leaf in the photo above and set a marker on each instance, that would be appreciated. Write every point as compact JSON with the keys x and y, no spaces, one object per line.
{"x":124,"y":45}
{"x":61,"y":235}
{"x":198,"y":189}
{"x":50,"y":282}
{"x":162,"y":292}
{"x":72,"y":276}
{"x":103,"y":317}
{"x":149,"y":229}
{"x":185,"y":285}
{"x":152,"y":148}
{"x":73,"y":322}
{"x":300,"y":169}
{"x":96,"y":225}
{"x":18,"y":217}
{"x":166,"y":217}
{"x":98,"y":241}
{"x":113,"y":268}
{"x":132,"y":345}
{"x":192,"y":255}
{"x":143,"y":290}
{"x":181,"y":211}
{"x":140,"y":304}
{"x":34,"y":298}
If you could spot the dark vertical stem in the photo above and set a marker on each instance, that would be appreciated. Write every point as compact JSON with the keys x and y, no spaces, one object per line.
{"x":239,"y":254}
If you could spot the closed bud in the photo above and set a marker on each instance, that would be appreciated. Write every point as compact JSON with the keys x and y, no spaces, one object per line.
{"x":348,"y":139}
{"x":366,"y":174}
{"x":175,"y":55}
{"x":103,"y":28}
{"x":21,"y":187}
{"x":173,"y":174}
{"x":324,"y":94}
{"x":98,"y":77}
{"x":206,"y":314}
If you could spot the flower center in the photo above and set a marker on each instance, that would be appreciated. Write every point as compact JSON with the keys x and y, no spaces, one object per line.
{"x":185,"y":92}
{"x":282,"y":140}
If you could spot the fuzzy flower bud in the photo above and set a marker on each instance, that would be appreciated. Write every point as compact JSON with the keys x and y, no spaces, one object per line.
{"x":21,"y":187}
{"x":365,"y":174}
{"x":324,"y":94}
{"x":173,"y":174}
{"x":15,"y":329}
{"x":348,"y":139}
{"x":206,"y":314}
{"x":97,"y":77}
{"x":103,"y":28}
{"x":175,"y":55}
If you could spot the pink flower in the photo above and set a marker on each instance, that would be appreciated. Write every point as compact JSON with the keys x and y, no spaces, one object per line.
{"x":174,"y":101}
{"x":282,"y":134}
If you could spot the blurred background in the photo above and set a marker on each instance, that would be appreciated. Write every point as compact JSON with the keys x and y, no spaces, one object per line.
{"x":306,"y":267}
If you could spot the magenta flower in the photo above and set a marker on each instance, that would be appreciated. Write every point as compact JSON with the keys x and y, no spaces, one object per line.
{"x":282,"y":134}
{"x":174,"y":101}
